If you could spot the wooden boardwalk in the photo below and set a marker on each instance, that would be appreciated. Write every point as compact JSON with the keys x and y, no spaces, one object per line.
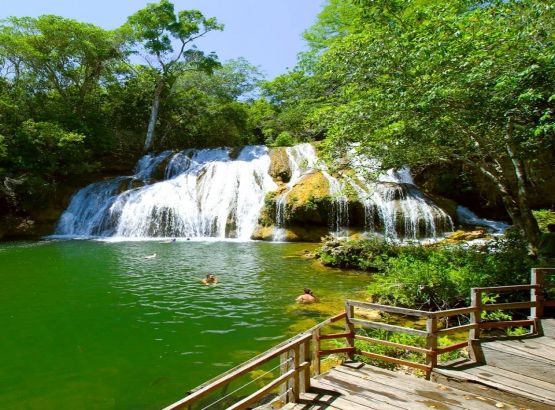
{"x":519,"y":374}
{"x":518,"y":368}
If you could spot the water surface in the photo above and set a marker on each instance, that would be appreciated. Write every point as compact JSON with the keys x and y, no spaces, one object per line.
{"x":99,"y":325}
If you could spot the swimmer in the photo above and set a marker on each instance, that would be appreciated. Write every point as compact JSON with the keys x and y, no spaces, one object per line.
{"x":307,"y":297}
{"x":150,"y":256}
{"x":210,"y":279}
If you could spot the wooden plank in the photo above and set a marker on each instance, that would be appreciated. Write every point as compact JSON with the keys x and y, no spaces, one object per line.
{"x":335,"y":335}
{"x":505,"y":323}
{"x":393,"y":344}
{"x":516,"y":381}
{"x":337,"y":317}
{"x":519,"y":364}
{"x":234,"y":373}
{"x":322,"y":385}
{"x":352,"y":385}
{"x":420,"y":392}
{"x":496,"y":391}
{"x":402,"y":362}
{"x":509,"y":288}
{"x":508,"y":306}
{"x":391,"y":328}
{"x":501,"y":346}
{"x":457,"y":329}
{"x":442,"y":350}
{"x":389,"y":309}
{"x":322,"y":398}
{"x":529,"y":347}
{"x":453,"y":312}
{"x":338,"y":350}
{"x":256,"y":396}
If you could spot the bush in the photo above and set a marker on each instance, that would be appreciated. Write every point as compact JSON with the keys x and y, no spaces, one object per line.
{"x":440,"y":278}
{"x":369,"y":254}
{"x":544,"y":218}
{"x":284,"y":139}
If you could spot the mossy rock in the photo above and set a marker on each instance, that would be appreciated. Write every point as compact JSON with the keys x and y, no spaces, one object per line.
{"x":263,"y":233}
{"x":279,"y":165}
{"x":447,"y":205}
{"x":305,"y":233}
{"x":309,"y":201}
{"x":463,"y":236}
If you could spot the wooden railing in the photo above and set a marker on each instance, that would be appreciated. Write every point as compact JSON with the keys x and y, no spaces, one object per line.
{"x":301,"y":355}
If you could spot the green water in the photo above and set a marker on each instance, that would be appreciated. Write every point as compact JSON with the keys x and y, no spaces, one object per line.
{"x":96,"y":325}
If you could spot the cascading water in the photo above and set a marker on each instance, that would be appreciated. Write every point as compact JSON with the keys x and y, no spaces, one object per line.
{"x":207,"y":195}
{"x":391,"y":200}
{"x":466,"y":216}
{"x":302,"y":161}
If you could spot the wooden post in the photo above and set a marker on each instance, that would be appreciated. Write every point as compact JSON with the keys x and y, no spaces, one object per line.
{"x":306,"y":358}
{"x":283,"y":368}
{"x":296,"y":375}
{"x":350,"y":328}
{"x":431,"y":344}
{"x":537,"y":295}
{"x":316,"y":351}
{"x":474,"y":348}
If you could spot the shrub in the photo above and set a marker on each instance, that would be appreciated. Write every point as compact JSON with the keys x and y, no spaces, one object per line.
{"x":369,"y":254}
{"x":440,"y":278}
{"x":284,"y":139}
{"x":544,"y":218}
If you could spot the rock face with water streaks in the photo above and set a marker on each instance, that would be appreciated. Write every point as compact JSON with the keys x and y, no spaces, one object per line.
{"x":279,"y":194}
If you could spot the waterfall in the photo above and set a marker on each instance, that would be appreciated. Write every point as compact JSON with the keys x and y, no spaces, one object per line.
{"x":302,"y":161}
{"x":466,"y":216}
{"x":204,"y":193}
{"x":207,"y":195}
{"x":392,"y":200}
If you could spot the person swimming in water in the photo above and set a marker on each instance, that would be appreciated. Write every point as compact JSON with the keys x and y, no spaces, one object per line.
{"x":210,"y":279}
{"x":307,"y":297}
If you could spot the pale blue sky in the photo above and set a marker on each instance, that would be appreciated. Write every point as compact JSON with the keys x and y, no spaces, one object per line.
{"x":268,"y":33}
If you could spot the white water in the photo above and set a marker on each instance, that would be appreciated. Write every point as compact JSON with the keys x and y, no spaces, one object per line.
{"x":392,"y":201}
{"x":466,"y":216}
{"x":302,"y":161}
{"x":206,"y":194}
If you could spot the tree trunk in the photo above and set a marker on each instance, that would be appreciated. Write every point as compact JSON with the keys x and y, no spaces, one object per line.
{"x":516,"y":205}
{"x":529,"y":223}
{"x":149,"y":140}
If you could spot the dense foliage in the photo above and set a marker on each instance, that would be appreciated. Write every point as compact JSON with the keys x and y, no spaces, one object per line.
{"x":433,"y":277}
{"x":77,"y":100}
{"x":421,"y":82}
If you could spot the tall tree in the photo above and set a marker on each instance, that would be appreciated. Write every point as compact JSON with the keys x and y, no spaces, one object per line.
{"x":422,"y":82}
{"x":58,"y":55}
{"x":156,"y":29}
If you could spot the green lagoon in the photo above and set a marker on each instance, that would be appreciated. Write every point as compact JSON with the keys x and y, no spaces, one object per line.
{"x":108,"y":325}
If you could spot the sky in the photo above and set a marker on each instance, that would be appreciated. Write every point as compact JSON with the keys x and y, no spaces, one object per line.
{"x":268,"y":33}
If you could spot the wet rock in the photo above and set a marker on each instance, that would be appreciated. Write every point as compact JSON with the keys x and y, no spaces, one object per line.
{"x":279,"y":166}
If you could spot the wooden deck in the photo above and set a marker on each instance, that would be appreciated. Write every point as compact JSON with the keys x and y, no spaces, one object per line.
{"x":519,"y":374}
{"x":514,"y":370}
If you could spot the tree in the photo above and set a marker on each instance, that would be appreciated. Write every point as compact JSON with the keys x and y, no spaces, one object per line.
{"x":58,"y":55}
{"x":422,"y":82}
{"x":156,"y":29}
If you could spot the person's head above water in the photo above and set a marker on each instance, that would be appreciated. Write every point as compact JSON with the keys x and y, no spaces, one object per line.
{"x":308,"y":291}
